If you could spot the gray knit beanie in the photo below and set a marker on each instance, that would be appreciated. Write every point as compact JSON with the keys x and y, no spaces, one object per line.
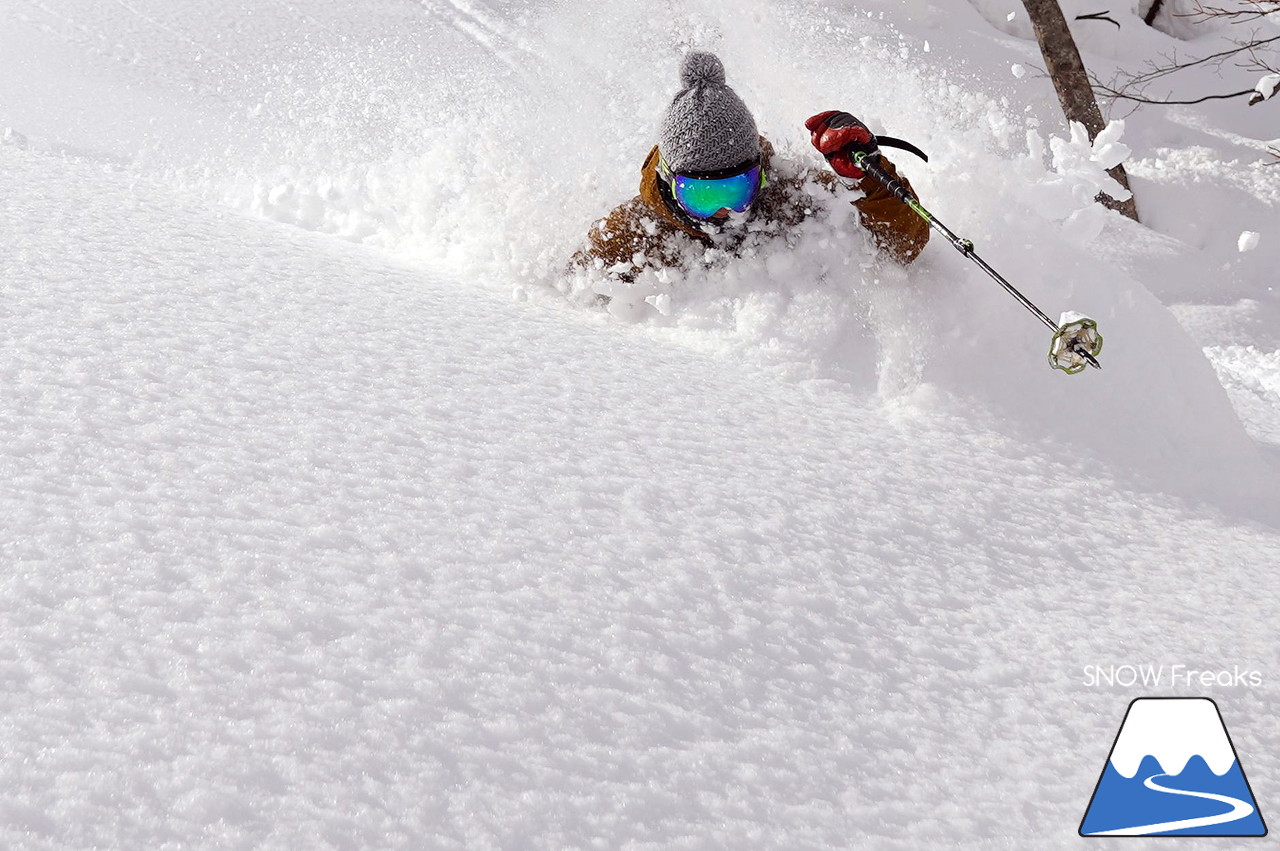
{"x":707,"y":127}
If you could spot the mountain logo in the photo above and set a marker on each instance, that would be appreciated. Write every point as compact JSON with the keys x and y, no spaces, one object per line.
{"x":1173,"y":771}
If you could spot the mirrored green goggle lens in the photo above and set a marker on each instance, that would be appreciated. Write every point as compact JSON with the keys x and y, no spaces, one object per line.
{"x":704,"y":198}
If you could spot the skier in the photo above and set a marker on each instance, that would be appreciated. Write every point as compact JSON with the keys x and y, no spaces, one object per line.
{"x":712,"y":181}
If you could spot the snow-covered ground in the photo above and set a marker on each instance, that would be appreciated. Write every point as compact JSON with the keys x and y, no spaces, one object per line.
{"x":330,"y":523}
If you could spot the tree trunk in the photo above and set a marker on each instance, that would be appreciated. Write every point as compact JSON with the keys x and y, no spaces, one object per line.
{"x":1071,"y":81}
{"x":1150,"y":18}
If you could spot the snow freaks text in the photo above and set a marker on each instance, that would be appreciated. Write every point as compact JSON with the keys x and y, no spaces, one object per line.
{"x":1173,"y":676}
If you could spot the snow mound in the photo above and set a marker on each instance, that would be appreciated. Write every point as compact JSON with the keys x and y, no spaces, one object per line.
{"x":313,"y":552}
{"x":311,"y":546}
{"x":457,"y":192}
{"x":381,"y":146}
{"x":1252,"y":379}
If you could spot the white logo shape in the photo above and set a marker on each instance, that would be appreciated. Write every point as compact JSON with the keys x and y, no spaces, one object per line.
{"x":1172,"y":772}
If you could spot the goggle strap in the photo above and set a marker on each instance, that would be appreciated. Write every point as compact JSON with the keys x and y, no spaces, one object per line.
{"x":664,"y":170}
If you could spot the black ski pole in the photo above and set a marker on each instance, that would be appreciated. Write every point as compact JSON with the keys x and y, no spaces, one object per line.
{"x":1079,"y":337}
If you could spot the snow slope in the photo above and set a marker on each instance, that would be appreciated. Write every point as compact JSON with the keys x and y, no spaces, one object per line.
{"x":299,"y":562}
{"x":330,"y":545}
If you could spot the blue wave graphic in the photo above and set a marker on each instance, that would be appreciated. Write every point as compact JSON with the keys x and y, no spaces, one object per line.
{"x":1122,"y":803}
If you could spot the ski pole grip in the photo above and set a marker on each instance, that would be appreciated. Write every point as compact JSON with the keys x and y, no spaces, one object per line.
{"x":870,"y":163}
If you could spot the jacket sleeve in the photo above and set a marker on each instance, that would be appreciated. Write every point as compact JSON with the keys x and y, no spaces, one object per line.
{"x":629,"y":240}
{"x":614,"y":241}
{"x":895,"y":226}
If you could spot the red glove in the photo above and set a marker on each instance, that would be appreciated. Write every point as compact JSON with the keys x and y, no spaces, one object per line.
{"x":839,"y":136}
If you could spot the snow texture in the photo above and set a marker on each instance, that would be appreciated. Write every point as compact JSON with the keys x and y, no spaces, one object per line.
{"x":330,"y":522}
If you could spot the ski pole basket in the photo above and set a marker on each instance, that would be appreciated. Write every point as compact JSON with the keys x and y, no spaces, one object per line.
{"x":1075,"y":345}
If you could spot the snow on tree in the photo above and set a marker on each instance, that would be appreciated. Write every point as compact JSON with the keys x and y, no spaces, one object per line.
{"x":1071,"y":81}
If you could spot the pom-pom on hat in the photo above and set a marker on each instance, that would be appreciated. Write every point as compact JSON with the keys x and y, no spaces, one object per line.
{"x":707,"y":127}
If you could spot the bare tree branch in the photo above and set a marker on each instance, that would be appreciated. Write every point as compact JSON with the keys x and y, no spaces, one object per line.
{"x":1261,"y":8}
{"x":1116,"y":94}
{"x":1098,"y":16}
{"x":1255,"y":53}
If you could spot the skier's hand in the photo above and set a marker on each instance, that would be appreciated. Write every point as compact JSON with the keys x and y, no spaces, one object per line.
{"x":839,"y":137}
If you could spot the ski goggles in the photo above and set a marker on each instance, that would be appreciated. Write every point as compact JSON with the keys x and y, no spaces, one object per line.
{"x":703,"y":194}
